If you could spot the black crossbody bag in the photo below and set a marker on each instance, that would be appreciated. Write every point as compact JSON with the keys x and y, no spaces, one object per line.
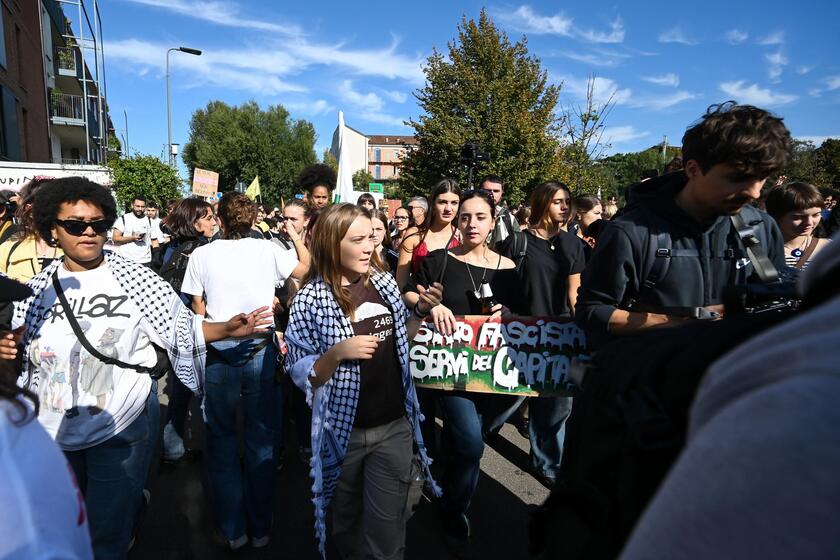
{"x":155,"y":372}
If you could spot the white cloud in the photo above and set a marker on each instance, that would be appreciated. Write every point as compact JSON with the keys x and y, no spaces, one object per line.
{"x":817,"y":140}
{"x":396,"y":96}
{"x":367,"y":106}
{"x":736,"y":36}
{"x":658,"y":102}
{"x":387,"y":62}
{"x":366,"y":101}
{"x":622,"y":134}
{"x":676,"y":35}
{"x":669,"y":79}
{"x":218,"y":12}
{"x":755,"y":95}
{"x":594,"y":59}
{"x":777,"y":61}
{"x":525,"y":19}
{"x":309,"y":108}
{"x":615,"y":35}
{"x":776,"y":38}
{"x":831,"y":83}
{"x":603,"y":90}
{"x":245,"y":69}
{"x":804,"y":69}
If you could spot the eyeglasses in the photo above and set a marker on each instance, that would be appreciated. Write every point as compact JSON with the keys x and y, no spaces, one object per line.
{"x":79,"y":227}
{"x":400,"y":218}
{"x":413,"y":208}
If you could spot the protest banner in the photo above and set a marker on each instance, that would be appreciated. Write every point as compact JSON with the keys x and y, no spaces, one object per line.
{"x":205,"y":183}
{"x":526,"y":356}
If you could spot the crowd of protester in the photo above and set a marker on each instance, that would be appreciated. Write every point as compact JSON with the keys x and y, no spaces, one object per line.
{"x":306,"y":312}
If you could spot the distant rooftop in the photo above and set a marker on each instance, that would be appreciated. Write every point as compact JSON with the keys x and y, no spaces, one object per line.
{"x":392,"y":140}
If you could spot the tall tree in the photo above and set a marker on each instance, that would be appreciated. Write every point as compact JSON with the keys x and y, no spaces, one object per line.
{"x":493,"y":92}
{"x":242,"y":142}
{"x":583,"y":130}
{"x":145,"y":176}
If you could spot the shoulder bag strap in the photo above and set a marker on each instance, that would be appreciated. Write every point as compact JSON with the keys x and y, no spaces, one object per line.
{"x":803,"y":260}
{"x":764,"y":267}
{"x":77,"y":330}
{"x":12,"y":250}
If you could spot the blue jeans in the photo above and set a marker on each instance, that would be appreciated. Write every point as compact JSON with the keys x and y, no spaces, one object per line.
{"x":547,"y":430}
{"x":241,"y":503}
{"x":111,"y":476}
{"x":463,"y":445}
{"x":179,"y":403}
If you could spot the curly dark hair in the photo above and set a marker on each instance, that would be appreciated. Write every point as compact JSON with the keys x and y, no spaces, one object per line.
{"x":792,"y":197}
{"x":181,"y":220}
{"x":754,"y":141}
{"x":316,"y":175}
{"x":237,"y":213}
{"x":52,"y":194}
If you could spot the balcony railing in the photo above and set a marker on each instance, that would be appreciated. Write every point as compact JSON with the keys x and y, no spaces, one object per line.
{"x":66,"y":61}
{"x":72,"y":161}
{"x":67,"y":107}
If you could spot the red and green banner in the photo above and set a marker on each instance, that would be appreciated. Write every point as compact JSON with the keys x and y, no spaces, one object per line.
{"x":527,"y":356}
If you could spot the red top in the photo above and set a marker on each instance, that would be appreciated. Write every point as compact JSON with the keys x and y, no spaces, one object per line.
{"x":422,"y":251}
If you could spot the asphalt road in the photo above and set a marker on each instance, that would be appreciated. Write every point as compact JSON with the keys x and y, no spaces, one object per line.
{"x":178,"y":522}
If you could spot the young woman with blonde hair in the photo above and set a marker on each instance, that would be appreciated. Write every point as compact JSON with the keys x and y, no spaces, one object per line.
{"x":347,"y":343}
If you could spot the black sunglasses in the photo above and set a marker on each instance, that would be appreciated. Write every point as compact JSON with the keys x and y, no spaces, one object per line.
{"x":79,"y":227}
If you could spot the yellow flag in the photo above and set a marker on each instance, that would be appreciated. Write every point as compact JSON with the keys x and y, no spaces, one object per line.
{"x":253,"y":190}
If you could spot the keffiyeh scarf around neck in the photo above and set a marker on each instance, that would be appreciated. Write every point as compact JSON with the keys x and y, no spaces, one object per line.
{"x":178,"y":328}
{"x":316,"y":324}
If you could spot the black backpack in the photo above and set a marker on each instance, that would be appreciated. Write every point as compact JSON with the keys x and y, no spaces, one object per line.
{"x":175,"y":268}
{"x":627,"y":427}
{"x":515,"y":247}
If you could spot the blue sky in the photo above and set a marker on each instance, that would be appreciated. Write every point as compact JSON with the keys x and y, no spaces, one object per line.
{"x":662,"y":64}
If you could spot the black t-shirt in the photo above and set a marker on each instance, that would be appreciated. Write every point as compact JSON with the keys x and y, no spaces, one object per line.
{"x":458,"y":285}
{"x":545,"y":273}
{"x":381,"y":394}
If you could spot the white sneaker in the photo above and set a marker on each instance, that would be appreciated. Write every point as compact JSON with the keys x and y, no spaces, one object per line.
{"x":236,"y":544}
{"x":173,"y":445}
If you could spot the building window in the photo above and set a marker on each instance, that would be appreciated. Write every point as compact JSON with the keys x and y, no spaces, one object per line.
{"x":377,"y":154}
{"x":377,"y":172}
{"x":2,"y":36}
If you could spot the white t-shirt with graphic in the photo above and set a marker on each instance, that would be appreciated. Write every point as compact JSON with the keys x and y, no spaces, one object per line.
{"x":43,"y":513}
{"x":139,"y":251}
{"x":85,"y":401}
{"x":237,"y":275}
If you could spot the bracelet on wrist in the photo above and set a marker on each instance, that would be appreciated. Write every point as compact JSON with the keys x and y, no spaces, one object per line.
{"x":416,"y":311}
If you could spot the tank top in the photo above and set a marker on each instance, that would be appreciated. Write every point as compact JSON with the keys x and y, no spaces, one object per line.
{"x":422,"y":251}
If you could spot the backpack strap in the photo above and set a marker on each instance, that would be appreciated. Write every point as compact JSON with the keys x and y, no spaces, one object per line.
{"x":12,"y":250}
{"x":519,"y":247}
{"x":660,"y":259}
{"x":77,"y":330}
{"x":748,"y":234}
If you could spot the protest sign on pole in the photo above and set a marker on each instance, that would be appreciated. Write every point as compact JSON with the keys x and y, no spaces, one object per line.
{"x":526,"y":356}
{"x":205,"y":183}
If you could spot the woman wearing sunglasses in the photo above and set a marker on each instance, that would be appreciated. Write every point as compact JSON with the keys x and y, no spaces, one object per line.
{"x":95,"y":331}
{"x":478,"y":281}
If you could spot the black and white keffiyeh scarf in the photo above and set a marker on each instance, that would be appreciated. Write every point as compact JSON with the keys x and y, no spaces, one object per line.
{"x":316,"y":324}
{"x":178,"y":328}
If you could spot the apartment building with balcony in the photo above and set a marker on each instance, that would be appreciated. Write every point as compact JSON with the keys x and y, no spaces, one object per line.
{"x":52,"y":98}
{"x":24,"y":125}
{"x":386,"y":154}
{"x":74,"y":76}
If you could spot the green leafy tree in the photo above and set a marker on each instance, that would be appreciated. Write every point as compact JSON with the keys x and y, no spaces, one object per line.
{"x":362,"y":180}
{"x":145,"y":176}
{"x":828,"y":161}
{"x":621,"y":170}
{"x":492,"y":91}
{"x":240,"y":143}
{"x":329,"y":159}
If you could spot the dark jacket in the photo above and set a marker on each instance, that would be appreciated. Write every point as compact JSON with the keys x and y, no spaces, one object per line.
{"x":713,"y":257}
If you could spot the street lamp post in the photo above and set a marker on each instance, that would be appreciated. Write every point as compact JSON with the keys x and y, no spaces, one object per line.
{"x":187,"y":50}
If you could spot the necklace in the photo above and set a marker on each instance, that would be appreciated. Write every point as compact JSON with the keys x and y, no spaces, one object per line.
{"x":798,"y":252}
{"x":539,"y":236}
